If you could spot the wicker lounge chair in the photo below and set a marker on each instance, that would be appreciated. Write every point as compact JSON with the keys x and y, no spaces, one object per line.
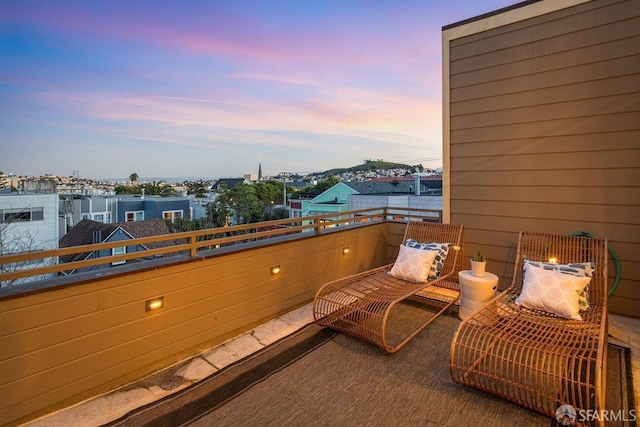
{"x":360,"y":305}
{"x":530,"y":356}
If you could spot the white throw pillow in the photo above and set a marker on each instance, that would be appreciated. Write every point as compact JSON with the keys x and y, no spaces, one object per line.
{"x":552,"y":291}
{"x":438,"y":261}
{"x":583,"y":269}
{"x":413,"y":264}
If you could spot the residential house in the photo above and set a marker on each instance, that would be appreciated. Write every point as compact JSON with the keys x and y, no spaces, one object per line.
{"x":88,"y":232}
{"x":28,"y":223}
{"x":199,"y":206}
{"x":139,"y":208}
{"x":418,"y":183}
{"x":334,"y":200}
{"x":122,"y":208}
{"x":419,"y":191}
{"x":96,"y":208}
{"x":41,"y":185}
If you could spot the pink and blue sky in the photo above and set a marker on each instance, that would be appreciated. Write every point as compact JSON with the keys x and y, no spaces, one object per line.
{"x":212,"y":88}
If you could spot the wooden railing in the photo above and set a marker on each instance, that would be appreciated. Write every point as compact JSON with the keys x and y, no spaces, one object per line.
{"x":192,"y":242}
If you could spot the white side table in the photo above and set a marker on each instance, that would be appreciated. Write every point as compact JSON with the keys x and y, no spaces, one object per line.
{"x":475,"y":291}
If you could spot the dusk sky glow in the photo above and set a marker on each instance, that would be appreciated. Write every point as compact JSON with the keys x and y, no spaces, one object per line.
{"x":211,"y":89}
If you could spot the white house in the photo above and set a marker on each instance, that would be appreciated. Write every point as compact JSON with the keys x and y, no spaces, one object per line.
{"x":28,"y":223}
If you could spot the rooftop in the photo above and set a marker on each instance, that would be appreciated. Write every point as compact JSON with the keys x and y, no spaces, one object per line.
{"x":102,"y":409}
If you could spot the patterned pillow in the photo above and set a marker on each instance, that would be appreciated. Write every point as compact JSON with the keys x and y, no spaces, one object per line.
{"x":438,"y":262}
{"x":581,"y":269}
{"x":552,"y":291}
{"x":413,"y":264}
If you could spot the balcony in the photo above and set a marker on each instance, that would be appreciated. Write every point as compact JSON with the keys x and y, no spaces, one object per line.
{"x":69,"y":339}
{"x":540,"y":132}
{"x":73,"y":337}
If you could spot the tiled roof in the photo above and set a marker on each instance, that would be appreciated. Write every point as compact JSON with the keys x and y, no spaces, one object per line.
{"x":150,"y":227}
{"x":402,"y":185}
{"x":87,"y":232}
{"x":410,"y":178}
{"x":381,"y":187}
{"x":83,"y":233}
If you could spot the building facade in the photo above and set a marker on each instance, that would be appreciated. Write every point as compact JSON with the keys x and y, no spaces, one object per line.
{"x":28,"y":223}
{"x":123,"y":208}
{"x":140,"y":208}
{"x":541,"y":112}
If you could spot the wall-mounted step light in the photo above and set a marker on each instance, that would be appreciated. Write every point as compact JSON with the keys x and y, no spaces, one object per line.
{"x":345,"y":250}
{"x":275,"y":270}
{"x":154,"y":304}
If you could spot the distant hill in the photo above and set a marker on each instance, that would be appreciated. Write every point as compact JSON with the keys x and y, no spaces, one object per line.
{"x":368,"y":165}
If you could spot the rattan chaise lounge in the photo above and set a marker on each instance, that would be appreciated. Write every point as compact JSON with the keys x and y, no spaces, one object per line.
{"x":360,"y":305}
{"x":537,"y":344}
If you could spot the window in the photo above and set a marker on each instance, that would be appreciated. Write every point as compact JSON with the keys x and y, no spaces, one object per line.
{"x":22,"y":214}
{"x":119,"y":251}
{"x":17,"y":215}
{"x":37,"y":214}
{"x":172,"y":215}
{"x":98,"y":217}
{"x":134,"y":216}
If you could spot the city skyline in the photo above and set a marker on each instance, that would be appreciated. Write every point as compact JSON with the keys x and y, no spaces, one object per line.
{"x":212,"y":89}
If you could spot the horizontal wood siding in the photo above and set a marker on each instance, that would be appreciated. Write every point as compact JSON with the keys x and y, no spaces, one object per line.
{"x":544,"y":134}
{"x":62,"y":346}
{"x":395,"y":233}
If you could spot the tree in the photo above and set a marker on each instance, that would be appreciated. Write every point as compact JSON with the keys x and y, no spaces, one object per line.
{"x":160,"y":188}
{"x":319,"y":188}
{"x":245,"y":204}
{"x":271,"y":193}
{"x":180,"y":225}
{"x":197,"y":188}
{"x":127,"y":189}
{"x":218,"y":211}
{"x":133,"y":178}
{"x":323,"y":186}
{"x":13,"y":240}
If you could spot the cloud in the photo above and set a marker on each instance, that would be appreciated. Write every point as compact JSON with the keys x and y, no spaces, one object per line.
{"x":302,"y":83}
